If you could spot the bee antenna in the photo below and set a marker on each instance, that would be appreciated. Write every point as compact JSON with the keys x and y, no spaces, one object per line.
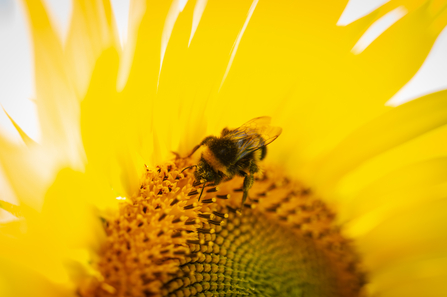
{"x":188,"y":168}
{"x":203,"y":188}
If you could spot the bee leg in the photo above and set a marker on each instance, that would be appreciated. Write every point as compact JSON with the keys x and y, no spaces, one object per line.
{"x":203,"y":188}
{"x":177,"y":155}
{"x":194,"y":150}
{"x":188,"y":168}
{"x":224,"y":132}
{"x":263,"y":153}
{"x":249,"y":179}
{"x":199,"y":145}
{"x":248,"y":182}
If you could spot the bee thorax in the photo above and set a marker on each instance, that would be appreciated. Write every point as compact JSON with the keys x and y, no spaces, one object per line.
{"x":214,"y":162}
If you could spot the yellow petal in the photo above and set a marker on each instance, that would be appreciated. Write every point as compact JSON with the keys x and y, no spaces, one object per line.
{"x":21,"y":281}
{"x":68,"y":213}
{"x":26,"y":139}
{"x":68,"y":223}
{"x":402,"y":238}
{"x":11,"y":208}
{"x":412,"y":278}
{"x":57,"y":106}
{"x":109,"y":131}
{"x":92,"y":30}
{"x":22,"y":250}
{"x":29,"y":170}
{"x":415,"y":164}
{"x":392,"y":129}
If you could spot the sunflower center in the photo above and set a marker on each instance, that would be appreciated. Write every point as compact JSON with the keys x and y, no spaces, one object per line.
{"x":167,"y":243}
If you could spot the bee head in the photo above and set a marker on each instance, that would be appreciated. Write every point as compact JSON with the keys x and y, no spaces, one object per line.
{"x":205,"y":172}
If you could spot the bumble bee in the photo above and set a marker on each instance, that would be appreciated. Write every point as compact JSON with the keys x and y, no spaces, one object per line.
{"x":235,"y":152}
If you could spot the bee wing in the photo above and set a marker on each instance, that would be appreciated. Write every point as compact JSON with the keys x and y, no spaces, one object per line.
{"x":253,"y":135}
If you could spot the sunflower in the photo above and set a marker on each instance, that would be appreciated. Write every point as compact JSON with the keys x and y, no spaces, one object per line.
{"x":351,"y":198}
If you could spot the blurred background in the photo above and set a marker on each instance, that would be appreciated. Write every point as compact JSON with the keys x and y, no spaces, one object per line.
{"x":17,"y":72}
{"x":16,"y":59}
